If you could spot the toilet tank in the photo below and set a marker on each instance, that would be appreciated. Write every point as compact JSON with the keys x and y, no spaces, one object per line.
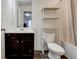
{"x":50,"y":37}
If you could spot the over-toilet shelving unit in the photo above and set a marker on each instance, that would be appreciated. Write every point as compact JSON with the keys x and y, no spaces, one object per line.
{"x":50,"y":18}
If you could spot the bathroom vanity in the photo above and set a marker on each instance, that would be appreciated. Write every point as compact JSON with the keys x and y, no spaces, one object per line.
{"x":19,"y":45}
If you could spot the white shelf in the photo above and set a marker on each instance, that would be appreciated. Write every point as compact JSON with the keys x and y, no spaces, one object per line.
{"x":51,"y":8}
{"x":49,"y":30}
{"x":50,"y":26}
{"x":51,"y":15}
{"x":51,"y":18}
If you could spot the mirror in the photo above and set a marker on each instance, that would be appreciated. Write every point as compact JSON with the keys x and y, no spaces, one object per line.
{"x":24,"y":13}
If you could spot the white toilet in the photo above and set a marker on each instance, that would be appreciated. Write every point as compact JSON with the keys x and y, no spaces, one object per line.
{"x":55,"y":50}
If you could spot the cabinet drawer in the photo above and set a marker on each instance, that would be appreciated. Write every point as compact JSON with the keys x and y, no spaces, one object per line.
{"x":28,"y":36}
{"x":10,"y":36}
{"x":19,"y":36}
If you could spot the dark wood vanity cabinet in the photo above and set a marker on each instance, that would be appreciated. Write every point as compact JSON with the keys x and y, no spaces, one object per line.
{"x":19,"y":45}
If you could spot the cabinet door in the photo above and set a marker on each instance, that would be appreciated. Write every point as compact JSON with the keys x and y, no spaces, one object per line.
{"x":12,"y":48}
{"x":27,"y":48}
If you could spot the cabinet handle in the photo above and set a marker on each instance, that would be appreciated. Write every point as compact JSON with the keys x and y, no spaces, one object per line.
{"x":17,"y":41}
{"x":22,"y":41}
{"x":8,"y":35}
{"x":29,"y":50}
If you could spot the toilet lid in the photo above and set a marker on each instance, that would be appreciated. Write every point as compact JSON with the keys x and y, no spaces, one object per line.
{"x":56,"y":48}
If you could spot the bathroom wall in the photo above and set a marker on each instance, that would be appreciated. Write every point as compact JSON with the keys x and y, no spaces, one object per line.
{"x":3,"y":13}
{"x":37,"y":6}
{"x":14,"y":14}
{"x":7,"y":13}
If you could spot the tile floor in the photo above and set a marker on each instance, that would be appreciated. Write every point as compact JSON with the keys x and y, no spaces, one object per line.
{"x":38,"y":55}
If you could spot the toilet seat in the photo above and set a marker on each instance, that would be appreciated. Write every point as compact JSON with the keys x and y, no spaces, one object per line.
{"x":56,"y":48}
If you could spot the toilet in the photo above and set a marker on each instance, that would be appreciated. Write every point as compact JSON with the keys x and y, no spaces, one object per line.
{"x":55,"y":50}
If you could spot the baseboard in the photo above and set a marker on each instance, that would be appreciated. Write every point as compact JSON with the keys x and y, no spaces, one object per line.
{"x":40,"y":51}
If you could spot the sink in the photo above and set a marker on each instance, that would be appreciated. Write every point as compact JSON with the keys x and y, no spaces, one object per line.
{"x":20,"y":30}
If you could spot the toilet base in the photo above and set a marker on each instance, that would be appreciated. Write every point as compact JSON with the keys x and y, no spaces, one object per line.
{"x":53,"y":55}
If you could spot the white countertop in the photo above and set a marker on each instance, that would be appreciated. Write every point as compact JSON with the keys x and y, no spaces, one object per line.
{"x":19,"y":30}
